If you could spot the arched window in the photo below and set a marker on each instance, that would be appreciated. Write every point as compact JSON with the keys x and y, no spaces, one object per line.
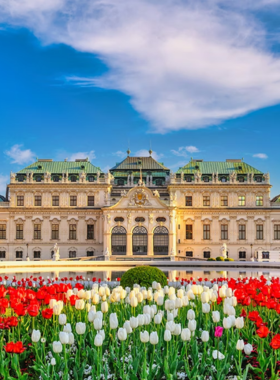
{"x":223,"y":179}
{"x":73,"y":178}
{"x":158,"y":182}
{"x":161,"y":241}
{"x":56,"y":178}
{"x":91,"y":178}
{"x":140,"y":241}
{"x":139,"y":219}
{"x":37,"y":255}
{"x":161,"y":219}
{"x":188,"y":179}
{"x":119,"y":219}
{"x":206,"y":179}
{"x":118,"y":241}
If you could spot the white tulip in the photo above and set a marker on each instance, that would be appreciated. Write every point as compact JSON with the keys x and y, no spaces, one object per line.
{"x":80,"y":304}
{"x":178,"y":303}
{"x":102,"y":333}
{"x":222,"y":292}
{"x":133,"y":301}
{"x":64,"y":337}
{"x":192,"y":324}
{"x":52,"y":303}
{"x":205,"y":336}
{"x":57,"y":309}
{"x":36,"y":335}
{"x":67,"y":328}
{"x":240,"y":345}
{"x":144,"y":336}
{"x":227,"y":323}
{"x":170,"y":326}
{"x":139,"y":297}
{"x":127,"y":326}
{"x":178,"y":329}
{"x":205,"y":308}
{"x":95,"y":299}
{"x":167,"y":335}
{"x":80,"y":328}
{"x":104,"y":307}
{"x":122,"y":334}
{"x":205,"y":297}
{"x":98,"y":340}
{"x":133,"y":322}
{"x":170,"y":316}
{"x":239,"y":323}
{"x":91,"y":315}
{"x":229,"y":292}
{"x":248,"y":348}
{"x":158,"y":319}
{"x":71,"y":338}
{"x":185,"y":300}
{"x":160,"y":301}
{"x":97,"y":323}
{"x":190,"y":314}
{"x":62,"y":319}
{"x":216,"y":316}
{"x":218,"y":355}
{"x":141,"y":319}
{"x":154,"y":337}
{"x":57,"y":347}
{"x":147,"y":319}
{"x":53,"y":361}
{"x":186,"y":335}
{"x":154,"y":308}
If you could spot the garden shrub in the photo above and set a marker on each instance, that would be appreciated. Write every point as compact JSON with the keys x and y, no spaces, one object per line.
{"x":211,"y":259}
{"x":229,"y":259}
{"x":220,"y":258}
{"x":144,"y":276}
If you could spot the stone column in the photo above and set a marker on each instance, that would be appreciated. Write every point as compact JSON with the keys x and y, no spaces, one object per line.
{"x":129,"y":244}
{"x":150,"y":244}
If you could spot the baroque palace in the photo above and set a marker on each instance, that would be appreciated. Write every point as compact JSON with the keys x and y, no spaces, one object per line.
{"x":139,"y":208}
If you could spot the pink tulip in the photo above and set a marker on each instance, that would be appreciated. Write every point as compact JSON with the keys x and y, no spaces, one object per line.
{"x":218,"y":331}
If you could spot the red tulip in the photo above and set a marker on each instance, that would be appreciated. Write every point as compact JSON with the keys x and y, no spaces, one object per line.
{"x":47,"y":313}
{"x":33,"y":310}
{"x":263,"y":332}
{"x":16,"y":348}
{"x":275,"y":343}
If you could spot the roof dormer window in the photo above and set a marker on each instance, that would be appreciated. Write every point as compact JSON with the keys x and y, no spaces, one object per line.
{"x":223,"y":179}
{"x":197,"y":167}
{"x":39,"y":167}
{"x":82,"y":166}
{"x":206,"y":179}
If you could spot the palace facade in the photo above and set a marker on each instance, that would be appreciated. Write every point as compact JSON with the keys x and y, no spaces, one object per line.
{"x":139,"y":208}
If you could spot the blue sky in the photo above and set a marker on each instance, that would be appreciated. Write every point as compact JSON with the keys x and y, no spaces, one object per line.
{"x":191,"y":79}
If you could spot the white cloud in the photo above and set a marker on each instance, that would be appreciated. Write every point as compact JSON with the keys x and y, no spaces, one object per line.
{"x":20,"y":156}
{"x":185,"y":64}
{"x":260,"y":155}
{"x":4,"y":179}
{"x":184,"y":150}
{"x":120,"y":154}
{"x":90,"y":155}
{"x":145,"y":153}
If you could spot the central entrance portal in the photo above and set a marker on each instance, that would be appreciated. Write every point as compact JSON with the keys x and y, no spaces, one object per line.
{"x":139,"y":241}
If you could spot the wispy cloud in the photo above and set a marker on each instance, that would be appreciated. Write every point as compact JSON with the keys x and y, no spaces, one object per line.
{"x":120,"y":154}
{"x":260,"y":155}
{"x":20,"y":156}
{"x":3,"y":184}
{"x":177,"y":165}
{"x":184,"y":150}
{"x":90,"y":155}
{"x":185,"y":64}
{"x":145,"y":153}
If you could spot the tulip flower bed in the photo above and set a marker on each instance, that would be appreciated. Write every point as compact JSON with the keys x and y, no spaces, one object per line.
{"x":87,"y":329}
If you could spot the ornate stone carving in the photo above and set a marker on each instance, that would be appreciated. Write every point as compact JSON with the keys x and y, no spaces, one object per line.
{"x":156,"y":193}
{"x":139,"y":198}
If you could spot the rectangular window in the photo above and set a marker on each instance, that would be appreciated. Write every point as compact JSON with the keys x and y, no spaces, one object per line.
{"x":55,"y":231}
{"x":73,"y":200}
{"x":72,"y":254}
{"x":20,"y":200}
{"x":189,"y":253}
{"x":38,"y":200}
{"x":189,"y":201}
{"x":189,"y":231}
{"x":19,"y":255}
{"x":259,"y":201}
{"x":259,"y":232}
{"x":206,"y":201}
{"x":265,"y":255}
{"x":224,"y":201}
{"x":72,"y":232}
{"x":90,"y":253}
{"x":19,"y":233}
{"x":242,"y":232}
{"x":277,"y":232}
{"x":90,"y":200}
{"x":90,"y":231}
{"x":2,"y":254}
{"x":55,"y":200}
{"x":242,"y":255}
{"x":207,"y":254}
{"x":2,"y":231}
{"x":37,"y":255}
{"x":224,"y":232}
{"x":241,"y":201}
{"x":206,"y":231}
{"x":37,"y":231}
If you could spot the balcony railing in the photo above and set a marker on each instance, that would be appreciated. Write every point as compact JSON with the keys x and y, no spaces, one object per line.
{"x":4,"y":204}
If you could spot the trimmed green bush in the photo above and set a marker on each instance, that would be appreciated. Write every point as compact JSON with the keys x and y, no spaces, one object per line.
{"x":220,"y":258}
{"x":211,"y":259}
{"x":144,"y":276}
{"x":229,"y":259}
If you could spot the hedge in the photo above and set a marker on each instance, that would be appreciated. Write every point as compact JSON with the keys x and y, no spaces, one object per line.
{"x":144,"y":276}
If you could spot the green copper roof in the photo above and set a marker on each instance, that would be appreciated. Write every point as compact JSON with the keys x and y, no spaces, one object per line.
{"x":276,"y":199}
{"x":137,"y":174}
{"x":135,"y":163}
{"x":220,"y":167}
{"x":58,"y":167}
